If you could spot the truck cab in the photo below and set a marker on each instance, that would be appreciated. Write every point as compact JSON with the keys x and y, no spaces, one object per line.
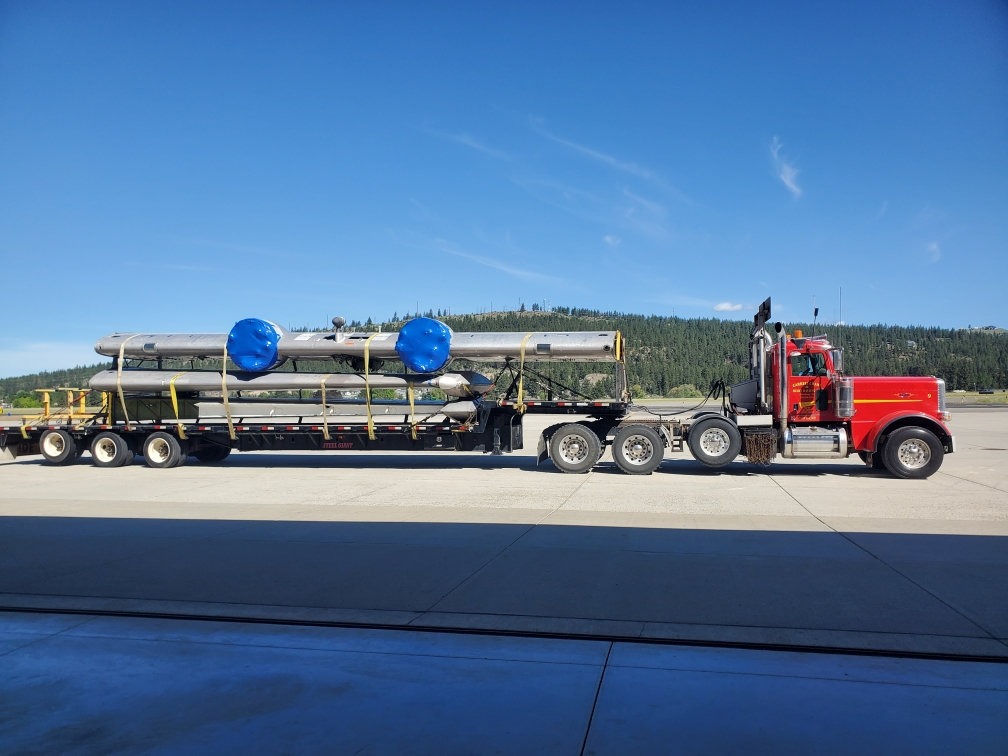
{"x":798,"y":388}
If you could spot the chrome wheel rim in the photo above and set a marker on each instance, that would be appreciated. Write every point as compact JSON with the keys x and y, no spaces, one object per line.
{"x":913,"y":453}
{"x":573,"y":448}
{"x":714,"y":442}
{"x":637,"y":449}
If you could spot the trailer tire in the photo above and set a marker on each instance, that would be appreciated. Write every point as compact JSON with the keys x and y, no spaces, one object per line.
{"x":162,"y":450}
{"x":637,"y":450}
{"x":58,"y":447}
{"x":212,"y":453}
{"x":714,"y":441}
{"x":111,"y":450}
{"x":574,"y":448}
{"x":912,"y":453}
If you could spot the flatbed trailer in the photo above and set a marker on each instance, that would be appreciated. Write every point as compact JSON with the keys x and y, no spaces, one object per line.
{"x":495,"y":429}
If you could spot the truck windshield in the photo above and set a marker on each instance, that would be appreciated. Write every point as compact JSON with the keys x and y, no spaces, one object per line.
{"x":813,"y":363}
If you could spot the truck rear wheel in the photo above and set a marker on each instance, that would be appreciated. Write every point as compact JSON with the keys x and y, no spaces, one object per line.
{"x":162,"y":450}
{"x":912,"y":453}
{"x":637,"y":449}
{"x":58,"y":447}
{"x":574,"y":448}
{"x":714,"y":441}
{"x":110,"y":450}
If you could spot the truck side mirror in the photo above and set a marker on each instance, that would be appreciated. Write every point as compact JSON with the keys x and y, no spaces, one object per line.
{"x":837,"y":355}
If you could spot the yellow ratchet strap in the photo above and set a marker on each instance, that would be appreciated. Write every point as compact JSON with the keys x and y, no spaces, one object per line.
{"x":325,"y":417}
{"x":224,"y":393}
{"x":174,"y":404}
{"x":367,"y":387}
{"x":119,"y":388}
{"x":412,"y":410}
{"x":521,"y":376}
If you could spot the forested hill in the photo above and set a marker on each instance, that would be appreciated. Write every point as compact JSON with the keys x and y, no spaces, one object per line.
{"x":668,"y":355}
{"x":667,"y":352}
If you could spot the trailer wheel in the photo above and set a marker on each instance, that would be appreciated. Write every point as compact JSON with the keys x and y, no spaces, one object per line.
{"x":574,"y":448}
{"x":111,"y":450}
{"x":637,"y":449}
{"x":212,"y":453}
{"x":162,"y":450}
{"x":912,"y":453}
{"x":714,"y":441}
{"x":58,"y":447}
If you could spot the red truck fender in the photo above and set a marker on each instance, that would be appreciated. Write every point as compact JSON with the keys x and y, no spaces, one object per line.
{"x":888,"y":423}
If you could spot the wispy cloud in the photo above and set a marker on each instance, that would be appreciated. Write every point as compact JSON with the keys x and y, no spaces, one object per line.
{"x":646,"y":216}
{"x":935,"y":251}
{"x":448,"y":248}
{"x":727,"y":307}
{"x":467,"y":140}
{"x":538,"y":125}
{"x":785,"y":169}
{"x":612,"y":240}
{"x":649,"y":206}
{"x":882,"y":210}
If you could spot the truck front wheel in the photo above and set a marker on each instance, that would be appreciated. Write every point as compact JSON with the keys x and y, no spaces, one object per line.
{"x":637,"y":449}
{"x":912,"y":453}
{"x":574,"y":448}
{"x":714,"y":441}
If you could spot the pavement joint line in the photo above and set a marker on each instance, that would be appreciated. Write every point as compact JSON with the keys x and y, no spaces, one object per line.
{"x":505,"y":633}
{"x":41,"y":637}
{"x":794,"y":676}
{"x":598,"y":690}
{"x":990,"y":635}
{"x":539,"y":521}
{"x":195,"y":614}
{"x":309,"y":648}
{"x":974,"y":482}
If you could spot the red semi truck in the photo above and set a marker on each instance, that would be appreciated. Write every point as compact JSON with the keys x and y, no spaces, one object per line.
{"x":796,"y":404}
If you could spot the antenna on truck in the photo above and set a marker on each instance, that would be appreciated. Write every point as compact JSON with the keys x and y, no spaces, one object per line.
{"x":840,"y":321}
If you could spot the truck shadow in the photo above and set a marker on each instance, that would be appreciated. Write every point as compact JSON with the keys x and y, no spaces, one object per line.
{"x":852,"y":589}
{"x":851,"y":468}
{"x":479,"y":461}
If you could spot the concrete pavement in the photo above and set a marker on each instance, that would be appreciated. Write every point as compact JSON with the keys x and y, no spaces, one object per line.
{"x":106,"y":685}
{"x":826,"y":555}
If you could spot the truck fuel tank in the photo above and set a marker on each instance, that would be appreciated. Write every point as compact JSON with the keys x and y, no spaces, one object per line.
{"x":814,"y":442}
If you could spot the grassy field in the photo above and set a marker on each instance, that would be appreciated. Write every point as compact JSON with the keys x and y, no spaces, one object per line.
{"x":975,"y":397}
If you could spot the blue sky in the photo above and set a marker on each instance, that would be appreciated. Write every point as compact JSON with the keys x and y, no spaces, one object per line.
{"x":178,"y":166}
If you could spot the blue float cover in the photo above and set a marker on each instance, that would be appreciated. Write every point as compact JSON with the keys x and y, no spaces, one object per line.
{"x":252,"y":344}
{"x":424,"y":345}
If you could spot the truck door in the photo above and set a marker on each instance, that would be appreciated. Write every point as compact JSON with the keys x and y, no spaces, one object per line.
{"x":808,"y":387}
